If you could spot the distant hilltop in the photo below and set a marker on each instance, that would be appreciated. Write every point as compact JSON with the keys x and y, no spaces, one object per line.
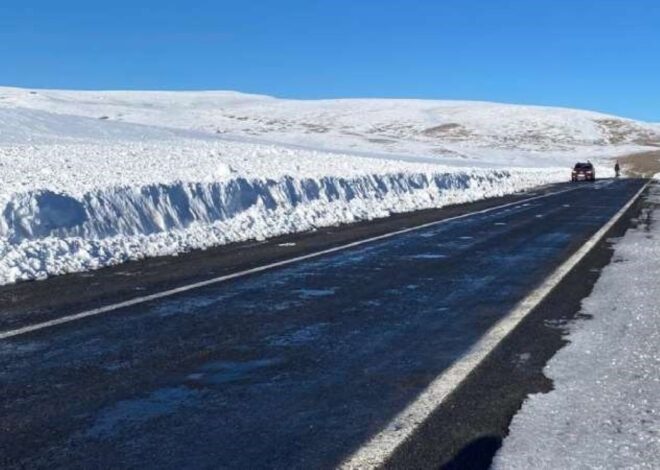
{"x":395,"y":126}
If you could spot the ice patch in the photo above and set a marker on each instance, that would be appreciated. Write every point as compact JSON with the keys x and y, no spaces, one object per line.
{"x":314,"y":293}
{"x":187,"y":304}
{"x":221,"y":372}
{"x":301,"y":336}
{"x":428,"y":256}
{"x":136,"y":412}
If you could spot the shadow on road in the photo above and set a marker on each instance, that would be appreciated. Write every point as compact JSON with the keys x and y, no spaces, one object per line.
{"x":477,"y":455}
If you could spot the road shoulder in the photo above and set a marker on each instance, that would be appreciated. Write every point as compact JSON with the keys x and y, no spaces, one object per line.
{"x":604,"y":409}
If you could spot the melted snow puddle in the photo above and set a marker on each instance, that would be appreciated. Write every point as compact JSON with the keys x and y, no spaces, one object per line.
{"x":221,"y":372}
{"x":130,"y":413}
{"x":314,"y":293}
{"x":301,"y":336}
{"x":186,"y":305}
{"x":428,"y":256}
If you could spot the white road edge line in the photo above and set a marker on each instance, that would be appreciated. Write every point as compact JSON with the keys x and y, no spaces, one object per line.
{"x":216,"y":280}
{"x":379,"y":448}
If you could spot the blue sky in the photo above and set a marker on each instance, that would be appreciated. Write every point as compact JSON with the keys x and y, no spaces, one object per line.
{"x":594,"y":54}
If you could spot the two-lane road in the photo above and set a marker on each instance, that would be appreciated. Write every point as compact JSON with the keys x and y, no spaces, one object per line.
{"x":294,"y":367}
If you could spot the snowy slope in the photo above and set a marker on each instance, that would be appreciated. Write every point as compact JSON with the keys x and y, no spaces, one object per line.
{"x":604,"y":411}
{"x":468,"y":131}
{"x":22,"y":126}
{"x":89,"y":179}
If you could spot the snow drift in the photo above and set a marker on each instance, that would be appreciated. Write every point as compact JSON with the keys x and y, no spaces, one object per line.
{"x":48,"y":233}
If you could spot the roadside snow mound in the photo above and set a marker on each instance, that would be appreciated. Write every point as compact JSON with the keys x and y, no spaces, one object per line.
{"x":162,"y":199}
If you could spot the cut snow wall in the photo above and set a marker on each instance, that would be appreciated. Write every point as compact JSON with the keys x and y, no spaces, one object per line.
{"x":45,"y":232}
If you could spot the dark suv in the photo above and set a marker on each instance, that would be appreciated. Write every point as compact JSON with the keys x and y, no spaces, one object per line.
{"x":583,"y":172}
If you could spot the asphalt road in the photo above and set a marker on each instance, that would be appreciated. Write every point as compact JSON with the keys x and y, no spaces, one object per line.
{"x":298,"y":366}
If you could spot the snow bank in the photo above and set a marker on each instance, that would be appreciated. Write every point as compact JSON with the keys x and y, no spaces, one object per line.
{"x":605,"y":409}
{"x":44,"y":232}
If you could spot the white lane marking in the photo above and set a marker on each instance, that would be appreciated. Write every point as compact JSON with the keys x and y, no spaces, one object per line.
{"x":216,"y":280}
{"x":376,"y":451}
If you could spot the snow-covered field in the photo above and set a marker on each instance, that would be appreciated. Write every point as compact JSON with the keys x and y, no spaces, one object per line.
{"x":605,"y":409}
{"x":89,"y":179}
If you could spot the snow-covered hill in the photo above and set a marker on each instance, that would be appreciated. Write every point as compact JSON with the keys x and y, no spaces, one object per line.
{"x":469,"y":132}
{"x":89,"y":179}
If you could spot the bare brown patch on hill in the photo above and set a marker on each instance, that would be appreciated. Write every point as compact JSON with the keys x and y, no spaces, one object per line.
{"x":644,"y":164}
{"x":380,"y":140}
{"x":619,"y":131}
{"x":450,"y":130}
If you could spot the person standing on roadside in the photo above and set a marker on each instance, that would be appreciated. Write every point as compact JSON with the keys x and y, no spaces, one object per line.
{"x":617,"y":169}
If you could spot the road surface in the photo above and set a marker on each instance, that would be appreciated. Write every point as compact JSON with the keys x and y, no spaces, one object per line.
{"x":293,"y":367}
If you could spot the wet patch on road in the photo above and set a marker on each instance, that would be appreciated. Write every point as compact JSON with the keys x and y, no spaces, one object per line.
{"x":136,"y":412}
{"x":301,"y":336}
{"x":222,"y":372}
{"x":314,"y":293}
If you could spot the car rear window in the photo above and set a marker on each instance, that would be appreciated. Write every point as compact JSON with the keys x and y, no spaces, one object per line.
{"x":583,"y":166}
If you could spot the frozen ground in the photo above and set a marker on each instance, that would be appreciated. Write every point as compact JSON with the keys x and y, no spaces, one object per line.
{"x":89,"y":179}
{"x":604,"y":412}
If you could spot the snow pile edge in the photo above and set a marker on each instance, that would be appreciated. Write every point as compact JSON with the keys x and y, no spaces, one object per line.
{"x":44,"y":233}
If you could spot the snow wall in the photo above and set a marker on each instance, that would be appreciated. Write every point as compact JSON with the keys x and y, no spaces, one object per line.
{"x":45,"y":232}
